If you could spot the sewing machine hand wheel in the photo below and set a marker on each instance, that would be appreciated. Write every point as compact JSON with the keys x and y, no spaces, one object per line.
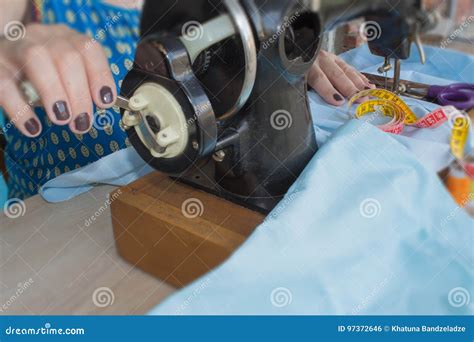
{"x":174,"y":121}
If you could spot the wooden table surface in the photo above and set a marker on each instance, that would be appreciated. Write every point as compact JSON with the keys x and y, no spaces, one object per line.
{"x":53,"y":262}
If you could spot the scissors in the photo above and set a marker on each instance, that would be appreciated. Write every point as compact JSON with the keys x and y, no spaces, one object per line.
{"x":459,"y":95}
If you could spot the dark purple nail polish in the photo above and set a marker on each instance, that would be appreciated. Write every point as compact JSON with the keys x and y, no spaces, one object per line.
{"x":106,"y":95}
{"x":32,"y":126}
{"x":61,"y":111}
{"x":366,"y":88}
{"x":82,"y":122}
{"x":337,"y":97}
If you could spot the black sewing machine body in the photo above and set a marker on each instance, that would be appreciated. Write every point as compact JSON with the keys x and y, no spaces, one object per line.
{"x":253,"y":155}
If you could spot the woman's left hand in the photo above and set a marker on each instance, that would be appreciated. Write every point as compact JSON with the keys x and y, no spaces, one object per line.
{"x":333,"y":79}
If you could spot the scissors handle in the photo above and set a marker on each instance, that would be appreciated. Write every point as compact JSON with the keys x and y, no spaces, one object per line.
{"x":459,"y":95}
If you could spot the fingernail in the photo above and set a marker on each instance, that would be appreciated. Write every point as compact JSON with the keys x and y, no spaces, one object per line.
{"x":366,"y":88}
{"x":82,"y":122}
{"x":106,"y":95}
{"x":60,"y":111}
{"x":32,"y":126}
{"x":337,"y":97}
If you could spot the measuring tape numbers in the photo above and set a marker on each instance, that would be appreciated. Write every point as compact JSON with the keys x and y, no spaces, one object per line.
{"x":385,"y":103}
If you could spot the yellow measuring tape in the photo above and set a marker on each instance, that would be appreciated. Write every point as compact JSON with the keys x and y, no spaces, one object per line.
{"x":386,"y":103}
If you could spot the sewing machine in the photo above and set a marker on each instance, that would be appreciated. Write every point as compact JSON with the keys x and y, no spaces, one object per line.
{"x":218,"y":89}
{"x":217,"y":98}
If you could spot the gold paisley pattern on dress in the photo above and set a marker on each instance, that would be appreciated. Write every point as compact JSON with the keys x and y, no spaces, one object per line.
{"x":93,"y":133}
{"x":85,"y":151}
{"x":66,"y":136}
{"x":114,"y":146}
{"x":61,"y":155}
{"x":72,"y":153}
{"x":54,"y":138}
{"x":99,"y":150}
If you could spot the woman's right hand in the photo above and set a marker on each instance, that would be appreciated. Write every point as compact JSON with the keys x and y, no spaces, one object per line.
{"x":68,"y":70}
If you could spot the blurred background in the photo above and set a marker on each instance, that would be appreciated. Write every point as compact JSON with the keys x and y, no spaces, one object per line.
{"x":456,"y":24}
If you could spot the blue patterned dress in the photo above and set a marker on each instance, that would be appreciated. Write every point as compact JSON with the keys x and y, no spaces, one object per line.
{"x":31,"y":162}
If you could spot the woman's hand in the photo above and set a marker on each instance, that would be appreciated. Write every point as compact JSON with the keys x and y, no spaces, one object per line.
{"x":333,"y":79}
{"x":67,"y":69}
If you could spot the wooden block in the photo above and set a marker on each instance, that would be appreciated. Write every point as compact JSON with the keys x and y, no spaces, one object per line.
{"x":174,"y":231}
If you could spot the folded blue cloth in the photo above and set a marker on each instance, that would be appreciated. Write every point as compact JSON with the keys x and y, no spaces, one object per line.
{"x":119,"y":168}
{"x":366,"y":229}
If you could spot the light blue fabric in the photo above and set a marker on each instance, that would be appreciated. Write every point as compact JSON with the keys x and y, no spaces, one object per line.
{"x":119,"y":168}
{"x":430,"y":146}
{"x":366,"y":229}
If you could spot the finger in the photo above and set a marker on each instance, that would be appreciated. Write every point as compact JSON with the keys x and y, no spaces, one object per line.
{"x":336,"y":76}
{"x":74,"y":79}
{"x":16,"y":108}
{"x":101,"y":82}
{"x":354,"y":75}
{"x":320,"y":83}
{"x":43,"y":74}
